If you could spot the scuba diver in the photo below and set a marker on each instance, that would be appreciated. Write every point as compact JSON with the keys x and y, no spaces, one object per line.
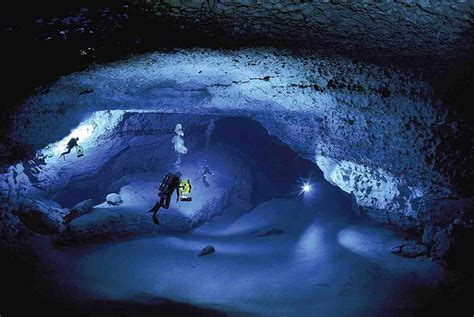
{"x":203,"y":172}
{"x":70,"y":145}
{"x":170,"y":183}
{"x":178,"y":143}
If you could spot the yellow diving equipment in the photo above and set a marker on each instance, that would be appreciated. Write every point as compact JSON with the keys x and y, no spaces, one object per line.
{"x":185,"y":190}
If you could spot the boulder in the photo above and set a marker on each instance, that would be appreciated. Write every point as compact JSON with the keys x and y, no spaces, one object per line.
{"x":451,"y":246}
{"x":428,"y":234}
{"x":78,"y":210}
{"x":15,"y":186}
{"x":442,"y":242}
{"x":41,"y":216}
{"x":207,"y":250}
{"x":114,"y":199}
{"x":410,"y":250}
{"x":271,"y":232}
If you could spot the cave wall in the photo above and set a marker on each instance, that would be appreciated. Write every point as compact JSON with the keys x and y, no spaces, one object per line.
{"x":371,"y":130}
{"x":434,"y":39}
{"x":139,"y":143}
{"x":125,"y":152}
{"x":119,"y":143}
{"x":424,"y":31}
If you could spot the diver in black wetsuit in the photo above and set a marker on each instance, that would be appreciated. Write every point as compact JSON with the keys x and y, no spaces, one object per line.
{"x":169,"y":184}
{"x":70,"y":145}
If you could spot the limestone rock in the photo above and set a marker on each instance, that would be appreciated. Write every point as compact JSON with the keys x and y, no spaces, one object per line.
{"x":410,"y":250}
{"x":113,"y":199}
{"x":41,"y":216}
{"x":297,"y":22}
{"x":78,"y":210}
{"x":207,"y":250}
{"x":442,"y":242}
{"x":428,"y":234}
{"x":446,"y":211}
{"x":15,"y":185}
{"x":369,"y":129}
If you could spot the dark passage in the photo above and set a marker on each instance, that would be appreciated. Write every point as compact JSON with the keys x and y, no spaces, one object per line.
{"x":276,"y":169}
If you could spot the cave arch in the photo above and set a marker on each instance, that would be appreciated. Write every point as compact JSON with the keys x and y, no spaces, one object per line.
{"x":141,"y":143}
{"x":369,"y":130}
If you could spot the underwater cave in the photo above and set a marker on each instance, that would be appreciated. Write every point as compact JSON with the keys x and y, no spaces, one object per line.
{"x":315,"y":161}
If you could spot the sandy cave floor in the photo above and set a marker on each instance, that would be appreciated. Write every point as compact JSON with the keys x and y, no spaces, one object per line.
{"x":323,"y":264}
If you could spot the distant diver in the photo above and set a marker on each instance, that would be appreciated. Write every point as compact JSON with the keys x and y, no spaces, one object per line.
{"x":170,"y":183}
{"x":73,"y":144}
{"x":204,"y":171}
{"x":178,"y":143}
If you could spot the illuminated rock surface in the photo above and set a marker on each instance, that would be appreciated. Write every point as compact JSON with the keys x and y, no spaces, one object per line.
{"x":371,"y":131}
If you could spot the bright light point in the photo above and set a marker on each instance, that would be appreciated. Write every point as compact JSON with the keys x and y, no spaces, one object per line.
{"x":306,"y":188}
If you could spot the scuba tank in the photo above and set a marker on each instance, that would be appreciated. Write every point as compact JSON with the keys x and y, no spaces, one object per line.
{"x":166,"y":183}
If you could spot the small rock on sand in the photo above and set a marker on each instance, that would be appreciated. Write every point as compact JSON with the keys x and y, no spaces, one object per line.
{"x":207,"y":250}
